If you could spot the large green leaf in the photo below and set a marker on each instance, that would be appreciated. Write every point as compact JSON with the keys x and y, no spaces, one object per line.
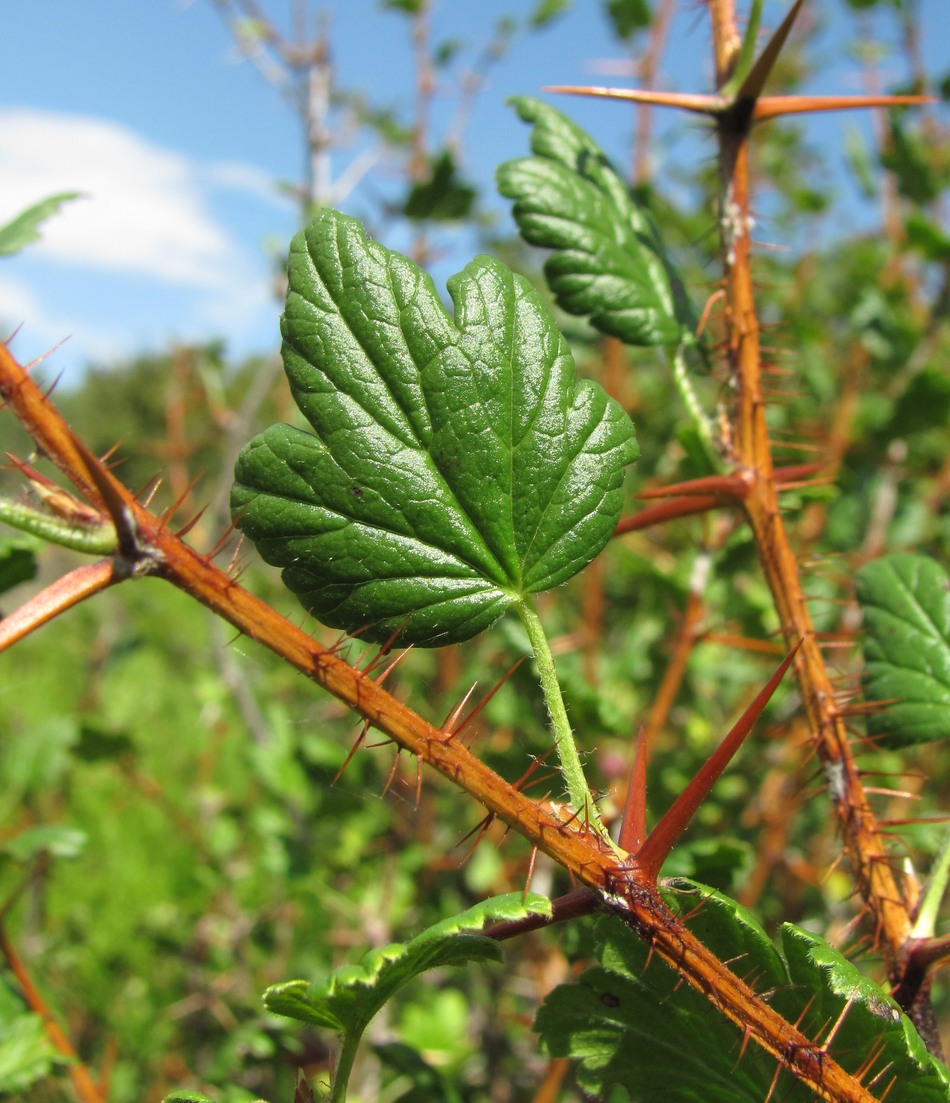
{"x":906,"y":604}
{"x":630,"y":1021}
{"x":608,"y":261}
{"x":454,"y":467}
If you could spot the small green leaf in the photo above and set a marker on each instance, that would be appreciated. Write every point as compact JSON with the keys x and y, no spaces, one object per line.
{"x":443,"y":196}
{"x":628,"y":16}
{"x":906,"y":604}
{"x":54,"y":839}
{"x":454,"y":467}
{"x":630,"y":1021}
{"x":608,"y":261}
{"x":353,"y":994}
{"x":24,"y":229}
{"x":26,"y":1053}
{"x":546,"y":11}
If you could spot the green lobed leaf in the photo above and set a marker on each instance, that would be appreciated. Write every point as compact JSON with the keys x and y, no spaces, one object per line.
{"x":906,"y":604}
{"x":608,"y":260}
{"x":24,"y":229}
{"x":353,"y":994}
{"x":630,"y":1021}
{"x":454,"y":467}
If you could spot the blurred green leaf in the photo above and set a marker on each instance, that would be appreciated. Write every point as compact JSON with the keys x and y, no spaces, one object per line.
{"x":546,"y":11}
{"x":906,"y":643}
{"x":17,"y":561}
{"x":628,"y":16}
{"x":456,"y":466}
{"x":608,"y":261}
{"x":928,"y":237}
{"x":411,"y":7}
{"x":96,"y":744}
{"x":61,"y":842}
{"x":444,"y":196}
{"x":910,"y":158}
{"x":859,"y":161}
{"x":26,"y":1054}
{"x":24,"y":229}
{"x":429,"y":1085}
{"x":924,"y":403}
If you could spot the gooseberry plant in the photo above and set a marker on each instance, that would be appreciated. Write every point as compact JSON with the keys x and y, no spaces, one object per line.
{"x":454,"y":466}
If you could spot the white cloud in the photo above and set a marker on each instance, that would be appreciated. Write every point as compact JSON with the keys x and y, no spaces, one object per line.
{"x":144,"y":257}
{"x":142,"y":210}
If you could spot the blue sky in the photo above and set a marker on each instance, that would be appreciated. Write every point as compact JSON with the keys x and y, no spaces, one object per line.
{"x":178,"y":145}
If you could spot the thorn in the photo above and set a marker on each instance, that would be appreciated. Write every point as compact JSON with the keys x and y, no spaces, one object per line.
{"x":687,"y":101}
{"x":222,"y":540}
{"x":707,"y":310}
{"x":392,"y":770}
{"x":743,"y":643}
{"x":536,"y":761}
{"x":825,"y":1045}
{"x":661,"y":839}
{"x":466,"y":720}
{"x":482,"y":826}
{"x":360,"y":739}
{"x":189,"y":525}
{"x":633,"y":825}
{"x":751,"y":87}
{"x":734,"y":487}
{"x":388,"y":645}
{"x":770,"y":107}
{"x":449,"y":721}
{"x":530,"y":877}
{"x":390,"y":667}
{"x":170,"y":512}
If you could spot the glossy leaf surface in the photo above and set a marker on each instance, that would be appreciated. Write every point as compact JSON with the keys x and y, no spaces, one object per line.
{"x":630,"y":1021}
{"x":906,"y":642}
{"x":608,"y":261}
{"x":454,"y":465}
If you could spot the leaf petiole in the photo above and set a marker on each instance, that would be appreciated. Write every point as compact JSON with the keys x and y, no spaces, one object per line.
{"x":571,"y":768}
{"x":94,"y":539}
{"x":926,"y":922}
